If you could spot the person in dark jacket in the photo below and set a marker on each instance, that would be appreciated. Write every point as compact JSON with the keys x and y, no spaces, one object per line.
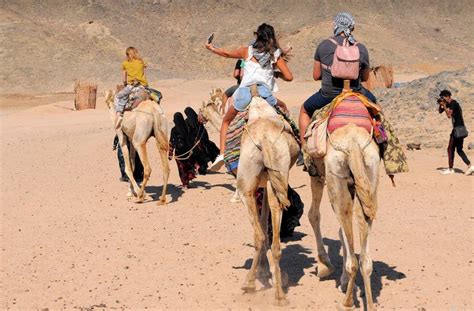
{"x":138,"y":170}
{"x":453,"y":111}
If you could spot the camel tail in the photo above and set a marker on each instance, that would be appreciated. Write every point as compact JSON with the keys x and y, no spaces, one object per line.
{"x":362,"y":184}
{"x":160,"y":136}
{"x":278,"y":180}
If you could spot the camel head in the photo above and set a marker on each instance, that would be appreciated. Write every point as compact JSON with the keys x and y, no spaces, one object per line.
{"x":207,"y":109}
{"x":109,"y":98}
{"x":216,"y":93}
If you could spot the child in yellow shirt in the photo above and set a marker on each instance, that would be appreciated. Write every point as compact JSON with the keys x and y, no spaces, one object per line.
{"x":133,"y":77}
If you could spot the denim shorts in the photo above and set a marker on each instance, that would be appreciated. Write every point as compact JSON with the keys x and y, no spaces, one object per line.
{"x":242,"y":97}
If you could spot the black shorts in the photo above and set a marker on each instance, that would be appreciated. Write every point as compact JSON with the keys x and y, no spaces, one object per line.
{"x":230,"y":91}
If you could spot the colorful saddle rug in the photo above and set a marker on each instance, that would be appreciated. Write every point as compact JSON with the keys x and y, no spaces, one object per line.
{"x":350,"y":110}
{"x":232,"y":144}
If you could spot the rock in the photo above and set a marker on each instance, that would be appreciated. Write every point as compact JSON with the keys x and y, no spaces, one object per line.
{"x":414,"y":146}
{"x":470,"y":146}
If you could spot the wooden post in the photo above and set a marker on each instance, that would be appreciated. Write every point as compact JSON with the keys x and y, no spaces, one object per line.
{"x":85,"y":95}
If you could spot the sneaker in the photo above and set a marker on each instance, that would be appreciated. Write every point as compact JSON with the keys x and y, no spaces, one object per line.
{"x":217,"y":164}
{"x":470,"y":170}
{"x":447,"y":171}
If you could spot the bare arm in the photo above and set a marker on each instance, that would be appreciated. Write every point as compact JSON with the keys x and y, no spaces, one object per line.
{"x":449,"y":112}
{"x":236,"y":73}
{"x":124,"y":77}
{"x":317,"y":70}
{"x":238,"y":53}
{"x":285,"y":72}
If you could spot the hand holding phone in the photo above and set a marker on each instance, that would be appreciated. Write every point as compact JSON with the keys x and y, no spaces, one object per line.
{"x":210,"y":38}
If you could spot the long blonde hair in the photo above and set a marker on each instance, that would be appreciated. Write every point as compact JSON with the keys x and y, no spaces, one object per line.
{"x":132,"y":53}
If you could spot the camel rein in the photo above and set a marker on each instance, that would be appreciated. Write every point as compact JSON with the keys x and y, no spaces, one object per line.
{"x":185,"y":156}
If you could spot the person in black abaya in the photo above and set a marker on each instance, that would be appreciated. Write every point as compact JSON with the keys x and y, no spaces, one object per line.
{"x":205,"y":151}
{"x":180,"y":146}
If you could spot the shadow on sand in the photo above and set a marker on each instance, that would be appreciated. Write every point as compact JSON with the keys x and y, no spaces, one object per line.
{"x":380,"y":270}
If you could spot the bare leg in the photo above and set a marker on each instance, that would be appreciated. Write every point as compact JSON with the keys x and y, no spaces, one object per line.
{"x":275,"y":208}
{"x":304,"y":120}
{"x":325,"y":268}
{"x":229,"y":116}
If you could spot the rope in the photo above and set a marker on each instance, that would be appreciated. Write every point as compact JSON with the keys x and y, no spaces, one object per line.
{"x":189,"y":152}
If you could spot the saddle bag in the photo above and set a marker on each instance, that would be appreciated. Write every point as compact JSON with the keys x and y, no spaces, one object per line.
{"x":316,"y":136}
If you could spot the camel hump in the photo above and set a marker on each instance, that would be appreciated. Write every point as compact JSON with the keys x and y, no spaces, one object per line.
{"x":259,"y":108}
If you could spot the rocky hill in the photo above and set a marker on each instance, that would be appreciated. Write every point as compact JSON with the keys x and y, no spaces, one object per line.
{"x":46,"y":45}
{"x":413,"y":110}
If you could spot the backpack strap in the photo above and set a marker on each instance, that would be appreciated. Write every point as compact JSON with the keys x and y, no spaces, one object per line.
{"x":333,"y":41}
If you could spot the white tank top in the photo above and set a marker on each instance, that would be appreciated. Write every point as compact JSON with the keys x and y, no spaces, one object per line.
{"x":254,"y":73}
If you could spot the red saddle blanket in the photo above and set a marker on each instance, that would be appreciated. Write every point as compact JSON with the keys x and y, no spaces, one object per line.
{"x":350,"y":110}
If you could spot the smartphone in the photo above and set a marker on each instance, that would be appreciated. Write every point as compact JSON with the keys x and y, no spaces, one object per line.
{"x":210,"y":38}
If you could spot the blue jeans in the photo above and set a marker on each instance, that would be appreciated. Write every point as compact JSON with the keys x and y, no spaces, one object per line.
{"x":318,"y":100}
{"x":242,"y":97}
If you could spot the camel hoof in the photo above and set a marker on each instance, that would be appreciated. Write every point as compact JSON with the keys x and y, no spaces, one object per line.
{"x":342,"y":307}
{"x":235,"y":198}
{"x":281,"y":302}
{"x":249,"y":287}
{"x":323,"y":271}
{"x":161,"y":203}
{"x":130,"y":194}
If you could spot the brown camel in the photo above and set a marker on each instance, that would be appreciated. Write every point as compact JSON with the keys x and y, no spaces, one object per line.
{"x":379,"y":77}
{"x":268,"y":151}
{"x":351,"y":171}
{"x":138,"y":125}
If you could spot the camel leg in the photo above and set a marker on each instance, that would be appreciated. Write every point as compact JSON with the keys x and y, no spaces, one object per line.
{"x":325,"y":268}
{"x":275,"y":208}
{"x":365,"y":261}
{"x":141,"y":149}
{"x":263,"y":271}
{"x":166,"y":172}
{"x":248,"y":199}
{"x":341,"y":201}
{"x":128,"y":164}
{"x":344,"y":278}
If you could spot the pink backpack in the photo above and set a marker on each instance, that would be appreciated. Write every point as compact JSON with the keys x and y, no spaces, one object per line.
{"x":346,"y":61}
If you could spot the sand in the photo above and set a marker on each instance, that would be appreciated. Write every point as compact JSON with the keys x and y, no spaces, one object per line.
{"x":71,"y":239}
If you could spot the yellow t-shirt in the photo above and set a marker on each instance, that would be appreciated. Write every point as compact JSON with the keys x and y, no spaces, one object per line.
{"x":135,"y":71}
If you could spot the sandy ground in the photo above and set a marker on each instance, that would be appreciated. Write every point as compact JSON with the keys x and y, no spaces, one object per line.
{"x":70,"y":238}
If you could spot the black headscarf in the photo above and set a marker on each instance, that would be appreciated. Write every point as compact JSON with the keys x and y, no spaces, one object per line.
{"x":207,"y":150}
{"x":180,"y":138}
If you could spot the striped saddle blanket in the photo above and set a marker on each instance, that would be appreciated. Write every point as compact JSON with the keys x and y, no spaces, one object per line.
{"x":350,"y":110}
{"x":232,"y":144}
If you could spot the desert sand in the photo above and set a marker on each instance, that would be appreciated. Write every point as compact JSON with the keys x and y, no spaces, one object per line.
{"x":71,"y":239}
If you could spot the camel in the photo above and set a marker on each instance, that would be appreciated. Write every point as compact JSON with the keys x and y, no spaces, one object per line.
{"x":351,"y":168}
{"x":268,"y":151}
{"x":379,"y":77}
{"x":209,"y":112}
{"x":138,"y":125}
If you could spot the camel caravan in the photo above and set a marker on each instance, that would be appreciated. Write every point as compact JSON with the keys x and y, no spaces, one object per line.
{"x":342,"y":137}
